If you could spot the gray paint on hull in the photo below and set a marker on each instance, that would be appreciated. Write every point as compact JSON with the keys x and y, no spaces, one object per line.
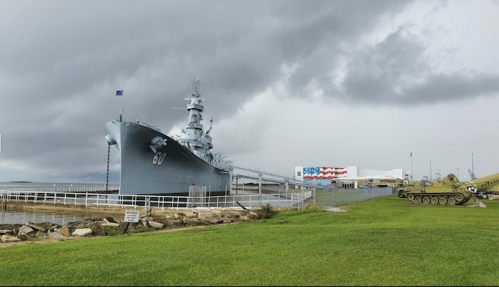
{"x":179,"y":169}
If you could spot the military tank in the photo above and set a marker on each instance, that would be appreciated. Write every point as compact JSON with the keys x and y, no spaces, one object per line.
{"x":445,"y":191}
{"x":413,"y":186}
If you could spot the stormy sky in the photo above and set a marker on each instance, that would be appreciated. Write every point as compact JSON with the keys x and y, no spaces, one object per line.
{"x":311,"y":83}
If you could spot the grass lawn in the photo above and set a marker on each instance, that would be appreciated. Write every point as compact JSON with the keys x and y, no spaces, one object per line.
{"x":384,"y":241}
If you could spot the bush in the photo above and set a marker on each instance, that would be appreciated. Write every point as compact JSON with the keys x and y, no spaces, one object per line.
{"x":266,"y":212}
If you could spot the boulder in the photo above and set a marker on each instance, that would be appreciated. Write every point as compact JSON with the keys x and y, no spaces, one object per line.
{"x":244,"y":218}
{"x":46,"y":225}
{"x":35,"y":226}
{"x":23,"y":237}
{"x":82,"y":232}
{"x":64,"y":230}
{"x":6,"y":232}
{"x":110,"y":224}
{"x":192,"y":221}
{"x":40,"y":234}
{"x":190,"y":214}
{"x":212,"y":218}
{"x":9,"y":238}
{"x":156,"y":224}
{"x":186,"y":214}
{"x":56,"y":235}
{"x":25,"y":229}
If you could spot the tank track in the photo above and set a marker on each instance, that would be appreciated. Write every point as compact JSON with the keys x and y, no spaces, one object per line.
{"x":448,"y":198}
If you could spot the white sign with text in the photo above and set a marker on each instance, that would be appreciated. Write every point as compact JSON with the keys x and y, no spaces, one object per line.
{"x":132,"y":216}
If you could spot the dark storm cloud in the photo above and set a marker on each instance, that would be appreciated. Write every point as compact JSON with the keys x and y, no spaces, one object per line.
{"x":398,"y":71}
{"x":62,"y":61}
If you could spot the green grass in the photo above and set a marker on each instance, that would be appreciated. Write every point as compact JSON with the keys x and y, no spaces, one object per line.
{"x":383,"y":241}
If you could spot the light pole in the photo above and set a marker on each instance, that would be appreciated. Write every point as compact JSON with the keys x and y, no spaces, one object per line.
{"x":472,"y":168}
{"x":430,"y":172}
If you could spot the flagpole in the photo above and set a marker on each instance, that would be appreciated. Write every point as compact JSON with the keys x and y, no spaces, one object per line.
{"x":412,"y":168}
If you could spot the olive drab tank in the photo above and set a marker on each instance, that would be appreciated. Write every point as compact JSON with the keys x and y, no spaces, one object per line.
{"x":413,"y":186}
{"x":445,"y":191}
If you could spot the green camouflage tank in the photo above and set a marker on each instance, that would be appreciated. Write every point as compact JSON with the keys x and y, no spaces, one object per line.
{"x":413,"y":186}
{"x":445,"y":191}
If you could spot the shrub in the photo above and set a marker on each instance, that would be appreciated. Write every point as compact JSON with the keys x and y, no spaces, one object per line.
{"x":266,"y":212}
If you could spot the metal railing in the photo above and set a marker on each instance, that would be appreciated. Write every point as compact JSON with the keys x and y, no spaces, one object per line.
{"x":175,"y":202}
{"x":339,"y":196}
{"x":61,"y":189}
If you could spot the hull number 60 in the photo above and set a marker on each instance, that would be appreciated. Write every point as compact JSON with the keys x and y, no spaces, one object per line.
{"x":158,"y":158}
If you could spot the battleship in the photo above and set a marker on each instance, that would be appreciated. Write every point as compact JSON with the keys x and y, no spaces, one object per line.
{"x":153,"y":163}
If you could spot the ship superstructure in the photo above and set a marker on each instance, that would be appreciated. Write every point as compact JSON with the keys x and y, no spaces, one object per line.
{"x":154,"y":163}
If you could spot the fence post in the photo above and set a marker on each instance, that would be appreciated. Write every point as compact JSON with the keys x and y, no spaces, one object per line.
{"x":260,"y":187}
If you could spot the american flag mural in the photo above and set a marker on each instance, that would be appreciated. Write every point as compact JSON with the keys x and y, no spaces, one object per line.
{"x":324,"y":172}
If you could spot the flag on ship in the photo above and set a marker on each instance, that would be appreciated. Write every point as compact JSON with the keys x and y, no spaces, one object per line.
{"x":119,"y":93}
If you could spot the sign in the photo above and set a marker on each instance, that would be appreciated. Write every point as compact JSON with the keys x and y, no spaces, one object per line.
{"x":132,"y":216}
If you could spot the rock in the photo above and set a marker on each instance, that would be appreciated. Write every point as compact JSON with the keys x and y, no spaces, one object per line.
{"x":6,"y":232}
{"x":244,"y":218}
{"x":25,"y":229}
{"x":46,"y":225}
{"x":9,"y":238}
{"x":105,"y":220}
{"x":185,"y":214}
{"x":192,"y":221}
{"x":35,"y":226}
{"x":482,"y":205}
{"x":110,"y":224}
{"x":23,"y":237}
{"x":82,"y":232}
{"x":156,"y":224}
{"x":56,"y":235}
{"x":40,"y":234}
{"x":64,"y":230}
{"x":212,"y":218}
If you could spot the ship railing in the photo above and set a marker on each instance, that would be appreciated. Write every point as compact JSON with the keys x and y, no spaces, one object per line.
{"x":282,"y":200}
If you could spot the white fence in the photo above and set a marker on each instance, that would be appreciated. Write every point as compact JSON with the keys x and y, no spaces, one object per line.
{"x":175,"y":202}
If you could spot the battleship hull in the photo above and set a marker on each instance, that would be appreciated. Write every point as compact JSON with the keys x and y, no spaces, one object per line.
{"x":166,"y":170}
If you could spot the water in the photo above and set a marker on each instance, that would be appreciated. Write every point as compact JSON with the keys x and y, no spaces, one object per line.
{"x":56,"y":187}
{"x":21,"y":217}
